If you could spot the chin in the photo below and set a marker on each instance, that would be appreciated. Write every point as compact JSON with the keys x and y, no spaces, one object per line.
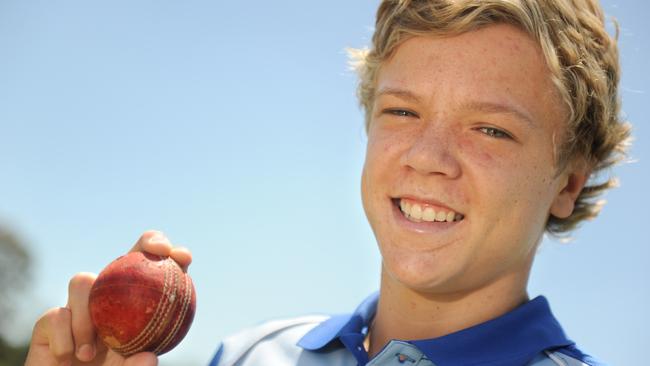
{"x":420,"y":272}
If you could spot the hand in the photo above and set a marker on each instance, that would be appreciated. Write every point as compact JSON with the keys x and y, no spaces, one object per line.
{"x":65,"y":335}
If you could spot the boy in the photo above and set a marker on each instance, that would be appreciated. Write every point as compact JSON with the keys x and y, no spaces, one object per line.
{"x":485,"y":120}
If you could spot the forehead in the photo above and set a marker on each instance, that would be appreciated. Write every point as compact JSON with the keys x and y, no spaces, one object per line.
{"x":497,"y":64}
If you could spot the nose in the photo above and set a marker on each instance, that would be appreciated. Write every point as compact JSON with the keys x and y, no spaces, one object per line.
{"x":432,"y":152}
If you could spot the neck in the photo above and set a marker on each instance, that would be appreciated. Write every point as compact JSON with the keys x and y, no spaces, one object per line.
{"x":407,"y":314}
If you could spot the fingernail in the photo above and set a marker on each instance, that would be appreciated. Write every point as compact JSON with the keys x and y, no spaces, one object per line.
{"x":158,"y":238}
{"x":86,"y":352}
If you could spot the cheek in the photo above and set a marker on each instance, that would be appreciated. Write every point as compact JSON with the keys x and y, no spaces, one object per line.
{"x":382,"y":155}
{"x":513,"y":180}
{"x":481,"y":154}
{"x":374,"y":168}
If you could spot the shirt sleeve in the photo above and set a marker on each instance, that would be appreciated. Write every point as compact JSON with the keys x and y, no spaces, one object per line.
{"x":273,"y":341}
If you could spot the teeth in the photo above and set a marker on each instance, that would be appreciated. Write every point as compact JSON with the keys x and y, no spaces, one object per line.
{"x":450,"y":216}
{"x":441,"y":216}
{"x":416,"y":213}
{"x":429,"y":214}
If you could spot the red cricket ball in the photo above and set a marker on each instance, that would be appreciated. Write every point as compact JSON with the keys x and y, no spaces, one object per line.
{"x":142,"y":303}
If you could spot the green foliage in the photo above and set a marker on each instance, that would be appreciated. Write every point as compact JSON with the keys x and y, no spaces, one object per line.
{"x":14,"y":275}
{"x":12,"y":356}
{"x":15,"y":272}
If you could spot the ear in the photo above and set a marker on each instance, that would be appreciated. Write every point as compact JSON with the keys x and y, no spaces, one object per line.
{"x":573,"y":182}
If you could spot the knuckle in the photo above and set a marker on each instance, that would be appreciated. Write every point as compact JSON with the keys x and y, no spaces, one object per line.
{"x":59,"y":317}
{"x":61,"y":353}
{"x":45,"y":320}
{"x":149,"y":234}
{"x":61,"y":347}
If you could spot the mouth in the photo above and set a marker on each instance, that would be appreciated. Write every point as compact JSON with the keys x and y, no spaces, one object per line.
{"x":418,"y":211}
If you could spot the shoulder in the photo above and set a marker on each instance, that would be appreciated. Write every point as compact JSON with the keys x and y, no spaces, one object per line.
{"x":565,"y":356}
{"x":272,"y":342}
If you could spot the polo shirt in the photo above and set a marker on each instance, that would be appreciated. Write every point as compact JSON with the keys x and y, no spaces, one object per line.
{"x":529,"y":335}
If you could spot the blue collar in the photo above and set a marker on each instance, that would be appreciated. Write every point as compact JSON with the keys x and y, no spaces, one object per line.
{"x":510,"y":339}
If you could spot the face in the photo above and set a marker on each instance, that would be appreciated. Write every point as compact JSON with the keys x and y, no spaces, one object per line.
{"x":460,"y":173}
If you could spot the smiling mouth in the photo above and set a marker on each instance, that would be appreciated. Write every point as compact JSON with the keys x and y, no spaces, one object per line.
{"x":419,"y":212}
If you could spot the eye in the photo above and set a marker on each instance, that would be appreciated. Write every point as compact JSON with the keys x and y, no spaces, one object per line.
{"x":495,"y":132}
{"x":400,"y":113}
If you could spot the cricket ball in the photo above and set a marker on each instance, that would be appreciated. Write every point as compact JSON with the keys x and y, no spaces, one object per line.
{"x":142,"y":303}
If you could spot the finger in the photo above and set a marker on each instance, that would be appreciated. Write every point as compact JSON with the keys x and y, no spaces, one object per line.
{"x":182,"y":256}
{"x":83,"y":331}
{"x":58,"y":331}
{"x":154,"y":242}
{"x":142,"y":359}
{"x":40,"y":352}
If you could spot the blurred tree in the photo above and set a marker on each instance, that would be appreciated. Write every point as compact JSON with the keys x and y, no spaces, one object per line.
{"x":14,"y":275}
{"x":12,"y":356}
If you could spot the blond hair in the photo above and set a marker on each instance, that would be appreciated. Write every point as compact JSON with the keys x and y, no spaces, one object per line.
{"x":581,"y":56}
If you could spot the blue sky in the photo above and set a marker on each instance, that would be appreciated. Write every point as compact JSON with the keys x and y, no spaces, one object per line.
{"x":233,"y":128}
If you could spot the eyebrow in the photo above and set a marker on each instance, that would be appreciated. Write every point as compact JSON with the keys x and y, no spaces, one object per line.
{"x":499,"y":108}
{"x":475,"y":106}
{"x":399,"y":93}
